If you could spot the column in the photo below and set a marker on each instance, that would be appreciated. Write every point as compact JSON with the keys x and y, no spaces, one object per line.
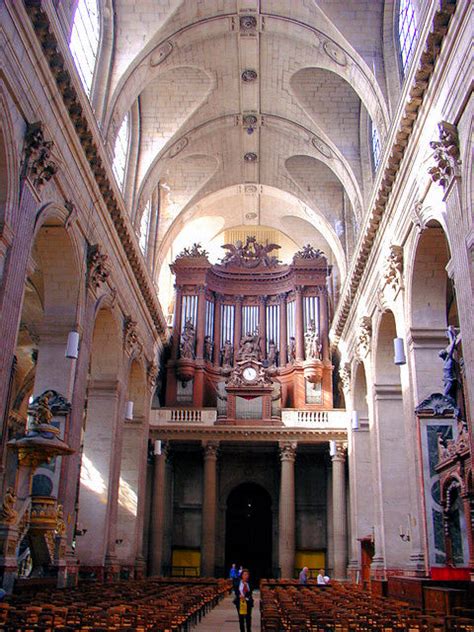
{"x":339,"y":510}
{"x":262,"y":325}
{"x":283,"y":333}
{"x":201,"y":322}
{"x":286,"y":516}
{"x":299,"y":325}
{"x":238,"y":323}
{"x":158,"y":511}
{"x":217,"y":330}
{"x":209,"y":501}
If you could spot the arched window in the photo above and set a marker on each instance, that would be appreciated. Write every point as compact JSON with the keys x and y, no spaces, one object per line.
{"x":406,"y":32}
{"x":144,"y":227}
{"x":84,"y":42}
{"x":375,"y":145}
{"x":121,"y":150}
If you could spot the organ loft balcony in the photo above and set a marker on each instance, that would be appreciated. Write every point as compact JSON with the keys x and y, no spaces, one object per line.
{"x":250,"y":342}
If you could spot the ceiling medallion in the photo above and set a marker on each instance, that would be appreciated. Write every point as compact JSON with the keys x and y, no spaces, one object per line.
{"x":160,"y":54}
{"x":321,"y":146}
{"x":248,"y":23}
{"x":335,"y":52}
{"x":250,"y":215}
{"x":250,"y":157}
{"x":178,"y":147}
{"x":249,"y":75}
{"x":250,"y":189}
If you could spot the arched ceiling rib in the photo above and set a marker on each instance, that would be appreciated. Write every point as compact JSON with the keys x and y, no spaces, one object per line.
{"x":183,"y":60}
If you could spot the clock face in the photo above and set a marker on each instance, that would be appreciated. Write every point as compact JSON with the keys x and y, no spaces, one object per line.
{"x":249,"y":373}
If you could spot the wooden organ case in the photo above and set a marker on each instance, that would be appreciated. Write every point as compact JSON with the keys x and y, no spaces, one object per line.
{"x":250,"y":334}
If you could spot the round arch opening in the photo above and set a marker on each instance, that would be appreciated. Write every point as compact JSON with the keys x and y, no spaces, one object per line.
{"x":248,"y":540}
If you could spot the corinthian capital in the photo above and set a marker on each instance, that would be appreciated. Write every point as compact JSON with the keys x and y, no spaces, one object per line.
{"x":288,"y":450}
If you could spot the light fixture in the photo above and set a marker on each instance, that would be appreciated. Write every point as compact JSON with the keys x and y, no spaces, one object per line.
{"x":129,"y":410}
{"x":72,"y":347}
{"x":355,"y":420}
{"x":332,"y":448}
{"x":119,"y":541}
{"x":157,"y":447}
{"x":399,"y":351}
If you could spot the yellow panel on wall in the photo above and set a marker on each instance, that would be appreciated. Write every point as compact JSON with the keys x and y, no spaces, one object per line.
{"x":185,"y":562}
{"x":314,"y":560}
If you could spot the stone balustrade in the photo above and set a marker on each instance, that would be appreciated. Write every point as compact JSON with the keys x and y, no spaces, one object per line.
{"x":317,"y":419}
{"x":202,"y":416}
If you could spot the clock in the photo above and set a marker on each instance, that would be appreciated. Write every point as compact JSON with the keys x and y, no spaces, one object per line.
{"x":249,"y":374}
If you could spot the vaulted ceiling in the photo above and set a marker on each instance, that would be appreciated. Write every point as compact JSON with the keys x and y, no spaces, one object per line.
{"x":251,"y":112}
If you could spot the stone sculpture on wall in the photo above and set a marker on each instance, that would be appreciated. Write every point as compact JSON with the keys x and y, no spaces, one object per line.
{"x":227,"y":353}
{"x":312,"y":345}
{"x":249,"y":347}
{"x":188,"y":338}
{"x":250,"y":255}
{"x":450,"y":380}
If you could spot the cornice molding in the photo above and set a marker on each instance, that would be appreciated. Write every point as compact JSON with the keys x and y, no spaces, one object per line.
{"x":406,"y":123}
{"x":95,"y":154}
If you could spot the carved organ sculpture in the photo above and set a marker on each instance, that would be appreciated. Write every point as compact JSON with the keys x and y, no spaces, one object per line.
{"x":250,"y":334}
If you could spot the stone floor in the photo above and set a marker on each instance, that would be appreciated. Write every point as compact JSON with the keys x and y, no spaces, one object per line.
{"x":224,"y":618}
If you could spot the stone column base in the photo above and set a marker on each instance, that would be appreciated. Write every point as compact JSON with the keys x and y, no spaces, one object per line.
{"x":111,"y":569}
{"x":140,"y":567}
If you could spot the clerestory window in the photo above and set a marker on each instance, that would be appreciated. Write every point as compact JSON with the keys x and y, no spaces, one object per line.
{"x":407,"y":32}
{"x":144,"y":227}
{"x":121,"y":150}
{"x":376,"y":145}
{"x":84,"y":43}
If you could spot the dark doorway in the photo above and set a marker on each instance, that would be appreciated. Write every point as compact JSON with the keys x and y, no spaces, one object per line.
{"x":248,"y":539}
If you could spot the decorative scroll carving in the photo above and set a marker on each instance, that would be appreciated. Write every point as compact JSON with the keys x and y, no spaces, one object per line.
{"x":341,"y":451}
{"x":345,"y":376}
{"x":312,"y":345}
{"x":364,"y":336}
{"x":449,"y":448}
{"x":97,"y":267}
{"x":248,"y":23}
{"x":446,"y":155}
{"x":250,"y":255}
{"x":37,"y":162}
{"x":8,"y":513}
{"x":60,"y":524}
{"x":249,"y":348}
{"x":131,"y":338}
{"x":437,"y":405}
{"x":151,"y":374}
{"x":288,"y":451}
{"x":188,"y":341}
{"x":196,"y":250}
{"x":309,"y":252}
{"x":211,"y":449}
{"x":393,"y":268}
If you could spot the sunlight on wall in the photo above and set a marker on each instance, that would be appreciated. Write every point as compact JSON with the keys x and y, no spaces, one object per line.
{"x":127,"y":497}
{"x":92,"y":479}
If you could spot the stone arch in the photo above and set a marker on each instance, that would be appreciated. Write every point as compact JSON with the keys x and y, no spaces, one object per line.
{"x":100,"y":437}
{"x":9,"y":175}
{"x":130,"y":511}
{"x":388,"y":448}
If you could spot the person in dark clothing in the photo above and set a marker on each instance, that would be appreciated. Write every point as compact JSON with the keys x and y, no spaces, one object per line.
{"x":244,"y":602}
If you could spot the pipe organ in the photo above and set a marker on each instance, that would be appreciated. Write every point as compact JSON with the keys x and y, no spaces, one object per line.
{"x":249,"y":327}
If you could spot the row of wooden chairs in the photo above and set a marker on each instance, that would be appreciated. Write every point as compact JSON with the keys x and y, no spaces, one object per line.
{"x":346,"y":608}
{"x":151,"y":605}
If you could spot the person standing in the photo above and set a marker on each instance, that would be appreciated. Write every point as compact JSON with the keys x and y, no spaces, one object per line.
{"x":244,"y":602}
{"x":304,"y":576}
{"x":234,"y":576}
